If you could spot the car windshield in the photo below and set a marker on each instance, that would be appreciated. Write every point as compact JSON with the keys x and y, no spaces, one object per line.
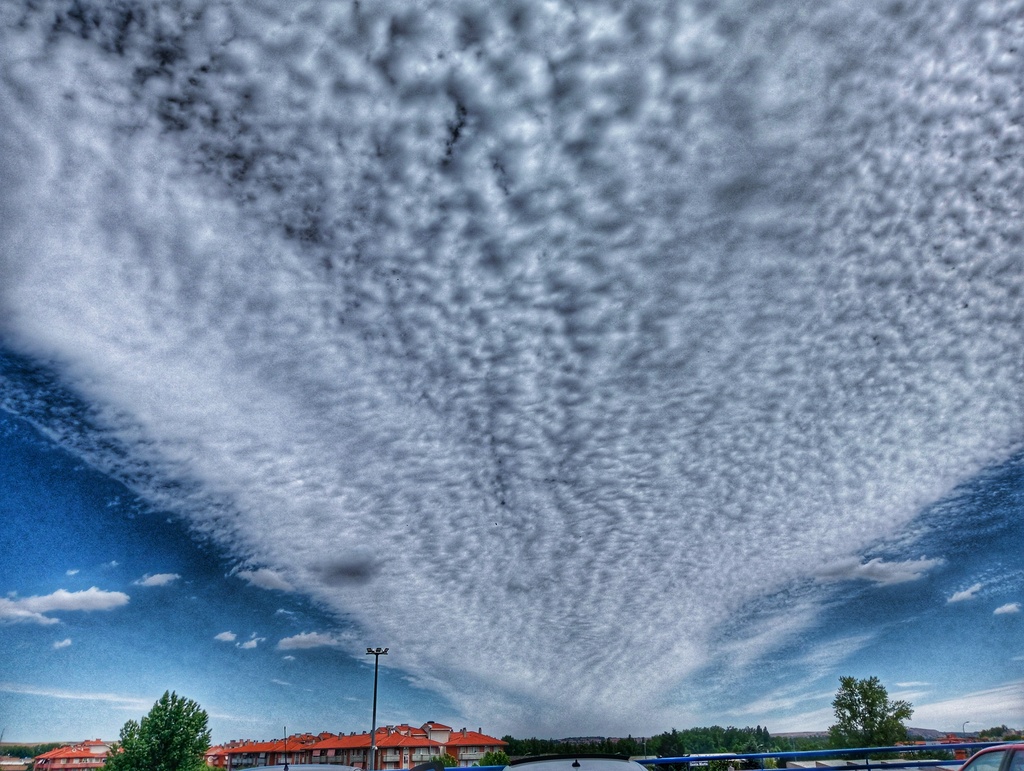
{"x":989,"y":761}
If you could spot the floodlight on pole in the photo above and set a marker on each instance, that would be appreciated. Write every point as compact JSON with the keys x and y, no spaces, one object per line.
{"x":963,"y":728}
{"x":376,"y":653}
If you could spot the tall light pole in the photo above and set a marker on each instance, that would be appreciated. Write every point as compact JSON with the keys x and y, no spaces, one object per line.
{"x":376,"y":653}
{"x":964,"y":728}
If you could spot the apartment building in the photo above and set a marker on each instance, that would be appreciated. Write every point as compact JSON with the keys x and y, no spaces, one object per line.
{"x":88,"y":754}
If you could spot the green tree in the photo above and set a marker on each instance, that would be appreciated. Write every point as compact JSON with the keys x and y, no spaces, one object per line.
{"x":448,"y":761}
{"x":995,"y":732}
{"x":494,"y":758}
{"x":172,"y":737}
{"x":865,"y":717}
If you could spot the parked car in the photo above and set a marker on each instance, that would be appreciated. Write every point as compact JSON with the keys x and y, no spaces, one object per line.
{"x":1005,"y":757}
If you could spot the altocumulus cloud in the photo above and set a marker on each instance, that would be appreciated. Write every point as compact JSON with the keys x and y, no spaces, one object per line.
{"x":1010,"y":607}
{"x":225,"y":636}
{"x":34,"y":609}
{"x":551,"y":292}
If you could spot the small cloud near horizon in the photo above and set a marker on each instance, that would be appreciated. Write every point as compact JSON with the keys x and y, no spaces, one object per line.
{"x":66,"y":642}
{"x":225,"y":636}
{"x":306,"y":640}
{"x":157,"y":579}
{"x":34,"y":609}
{"x":251,"y":643}
{"x":966,"y":594}
{"x":1010,"y":607}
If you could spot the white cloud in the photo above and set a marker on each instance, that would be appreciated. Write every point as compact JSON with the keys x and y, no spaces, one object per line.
{"x":159,"y":579}
{"x":225,"y":637}
{"x":34,"y":609}
{"x":966,"y":594}
{"x":265,"y":579}
{"x":280,"y":682}
{"x":1010,"y":607}
{"x":251,"y":643}
{"x":780,"y":702}
{"x":811,"y":720}
{"x":65,"y":643}
{"x":288,"y":658}
{"x":912,"y":684}
{"x":877,"y":570}
{"x":305,"y":640}
{"x":1001,"y":705}
{"x":56,"y":693}
{"x":664,"y":299}
{"x":71,"y":572}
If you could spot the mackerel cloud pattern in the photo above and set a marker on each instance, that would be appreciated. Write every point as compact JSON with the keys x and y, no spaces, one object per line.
{"x":547,"y":326}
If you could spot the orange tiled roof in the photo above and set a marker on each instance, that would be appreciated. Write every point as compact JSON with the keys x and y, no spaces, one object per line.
{"x":74,"y":751}
{"x":292,"y":744}
{"x":349,"y":742}
{"x":401,"y":740}
{"x":470,"y":738}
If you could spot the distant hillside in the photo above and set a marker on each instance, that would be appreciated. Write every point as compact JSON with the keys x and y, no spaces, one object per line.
{"x":924,"y":733}
{"x":928,"y":733}
{"x":800,"y":734}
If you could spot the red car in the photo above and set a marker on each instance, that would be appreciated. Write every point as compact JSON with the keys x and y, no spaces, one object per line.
{"x":1005,"y":757}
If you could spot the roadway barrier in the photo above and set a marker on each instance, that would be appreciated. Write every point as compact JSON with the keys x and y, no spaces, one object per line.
{"x":851,"y":752}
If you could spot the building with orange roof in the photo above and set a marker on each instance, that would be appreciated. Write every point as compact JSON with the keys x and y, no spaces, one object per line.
{"x":89,"y":754}
{"x":398,"y":746}
{"x":293,"y":750}
{"x":347,"y":750}
{"x":467,"y":747}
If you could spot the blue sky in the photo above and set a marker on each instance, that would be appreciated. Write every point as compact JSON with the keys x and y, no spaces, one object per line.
{"x":621,"y":367}
{"x":71,"y":528}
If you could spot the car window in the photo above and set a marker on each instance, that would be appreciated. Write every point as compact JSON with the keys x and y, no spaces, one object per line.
{"x":1017,"y":762}
{"x":990,"y":761}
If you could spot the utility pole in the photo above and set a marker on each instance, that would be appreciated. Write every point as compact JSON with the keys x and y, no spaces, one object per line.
{"x":376,"y":653}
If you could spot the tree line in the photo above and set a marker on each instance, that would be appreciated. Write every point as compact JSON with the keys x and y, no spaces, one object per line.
{"x":674,"y":743}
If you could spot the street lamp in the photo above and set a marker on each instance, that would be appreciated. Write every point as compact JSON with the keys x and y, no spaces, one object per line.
{"x":376,"y":653}
{"x":963,"y":728}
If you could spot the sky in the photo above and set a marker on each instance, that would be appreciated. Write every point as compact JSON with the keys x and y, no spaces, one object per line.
{"x":620,"y":366}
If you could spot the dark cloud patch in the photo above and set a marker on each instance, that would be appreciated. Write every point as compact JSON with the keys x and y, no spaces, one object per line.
{"x":354,"y":570}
